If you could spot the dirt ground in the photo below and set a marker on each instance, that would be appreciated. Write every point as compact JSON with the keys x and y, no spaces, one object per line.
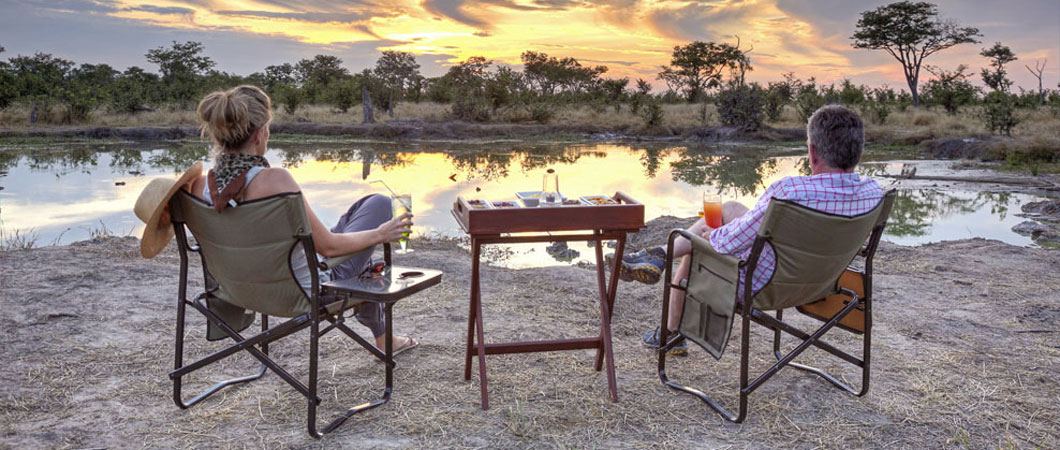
{"x":966,"y":354}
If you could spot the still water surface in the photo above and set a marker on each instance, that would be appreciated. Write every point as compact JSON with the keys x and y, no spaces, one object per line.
{"x":60,"y":193}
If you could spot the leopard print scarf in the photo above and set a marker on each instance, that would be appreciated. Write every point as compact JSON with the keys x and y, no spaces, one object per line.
{"x":229,"y":175}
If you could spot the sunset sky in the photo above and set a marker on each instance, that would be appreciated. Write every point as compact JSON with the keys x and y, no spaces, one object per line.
{"x":631,"y":37}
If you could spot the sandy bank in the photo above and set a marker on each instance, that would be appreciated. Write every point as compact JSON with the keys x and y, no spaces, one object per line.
{"x":966,"y":347}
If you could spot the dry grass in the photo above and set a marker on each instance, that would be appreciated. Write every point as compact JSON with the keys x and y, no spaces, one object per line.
{"x":91,"y":373}
{"x":902,"y":127}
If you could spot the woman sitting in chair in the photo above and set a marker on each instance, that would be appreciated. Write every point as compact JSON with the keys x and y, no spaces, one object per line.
{"x":237,"y":123}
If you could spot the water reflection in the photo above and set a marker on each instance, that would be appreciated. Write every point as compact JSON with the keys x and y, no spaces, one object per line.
{"x":77,"y":187}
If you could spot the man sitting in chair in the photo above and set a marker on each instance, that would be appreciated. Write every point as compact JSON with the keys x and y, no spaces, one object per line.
{"x":835,"y":137}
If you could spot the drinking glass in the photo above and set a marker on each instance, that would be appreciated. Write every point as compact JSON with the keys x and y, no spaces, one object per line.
{"x":550,"y":189}
{"x":402,"y":204}
{"x":712,"y":209}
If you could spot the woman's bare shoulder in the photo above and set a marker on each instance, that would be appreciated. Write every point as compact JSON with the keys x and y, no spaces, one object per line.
{"x":271,"y":181}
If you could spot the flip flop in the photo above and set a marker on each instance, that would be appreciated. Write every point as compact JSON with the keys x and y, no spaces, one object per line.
{"x":409,"y":343}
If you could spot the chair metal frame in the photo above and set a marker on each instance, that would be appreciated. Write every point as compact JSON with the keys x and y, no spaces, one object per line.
{"x":748,"y":314}
{"x":258,"y":345}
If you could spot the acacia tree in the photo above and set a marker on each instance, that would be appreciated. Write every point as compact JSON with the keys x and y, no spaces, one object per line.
{"x":997,"y":78}
{"x":698,"y":66}
{"x":910,"y":32}
{"x":999,"y":106}
{"x":183,"y":69}
{"x":317,"y":75}
{"x":396,"y":71}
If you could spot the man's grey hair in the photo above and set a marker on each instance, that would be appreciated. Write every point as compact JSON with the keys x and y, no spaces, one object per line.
{"x":838,"y":136}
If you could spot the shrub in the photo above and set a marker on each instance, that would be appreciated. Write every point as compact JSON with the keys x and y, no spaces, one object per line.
{"x":808,"y":100}
{"x":541,"y":112}
{"x":742,"y":106}
{"x":653,"y":112}
{"x":999,"y":112}
{"x":288,"y":96}
{"x":470,"y":107}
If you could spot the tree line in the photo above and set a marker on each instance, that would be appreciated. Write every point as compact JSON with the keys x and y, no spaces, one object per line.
{"x":59,"y":90}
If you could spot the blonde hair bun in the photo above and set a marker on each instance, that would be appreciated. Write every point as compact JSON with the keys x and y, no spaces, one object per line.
{"x":230,"y":117}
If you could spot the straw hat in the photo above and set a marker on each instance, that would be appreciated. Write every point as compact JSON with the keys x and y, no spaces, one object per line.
{"x":152,"y":204}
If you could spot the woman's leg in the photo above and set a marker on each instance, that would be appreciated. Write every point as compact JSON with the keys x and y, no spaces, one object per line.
{"x":682,"y":247}
{"x":366,"y":214}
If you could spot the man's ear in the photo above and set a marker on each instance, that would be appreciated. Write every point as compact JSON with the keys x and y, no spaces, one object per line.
{"x":813,"y":153}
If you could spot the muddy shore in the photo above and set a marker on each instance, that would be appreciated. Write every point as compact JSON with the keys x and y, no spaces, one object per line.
{"x":966,"y":352}
{"x":426,"y":130}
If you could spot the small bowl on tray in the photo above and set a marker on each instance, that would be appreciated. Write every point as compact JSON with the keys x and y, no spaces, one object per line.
{"x":504,"y":204}
{"x":531,"y":199}
{"x":598,"y":200}
{"x":479,"y":204}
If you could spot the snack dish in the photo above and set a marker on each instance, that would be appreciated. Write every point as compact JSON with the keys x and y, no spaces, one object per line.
{"x":596,"y":200}
{"x":505,"y":204}
{"x":572,"y":202}
{"x":479,"y":204}
{"x":529,"y":198}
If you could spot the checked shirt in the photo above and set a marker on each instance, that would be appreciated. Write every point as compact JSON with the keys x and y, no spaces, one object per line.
{"x":846,"y":194}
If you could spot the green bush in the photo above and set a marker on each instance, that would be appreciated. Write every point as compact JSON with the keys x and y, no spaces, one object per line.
{"x":999,"y":112}
{"x":742,"y":106}
{"x":470,"y":107}
{"x":288,"y":96}
{"x":808,"y":100}
{"x":653,"y":112}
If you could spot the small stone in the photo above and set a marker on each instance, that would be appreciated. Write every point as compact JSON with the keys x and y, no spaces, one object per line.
{"x":940,"y":268}
{"x":962,"y":282}
{"x":119,"y":183}
{"x":1030,"y":227}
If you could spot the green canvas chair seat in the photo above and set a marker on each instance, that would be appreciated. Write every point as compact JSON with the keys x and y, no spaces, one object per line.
{"x":246,"y":254}
{"x":813,"y":249}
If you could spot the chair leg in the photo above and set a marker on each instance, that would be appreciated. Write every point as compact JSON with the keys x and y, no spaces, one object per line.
{"x":864,"y":362}
{"x":717,"y":407}
{"x":388,"y":359}
{"x":179,"y":362}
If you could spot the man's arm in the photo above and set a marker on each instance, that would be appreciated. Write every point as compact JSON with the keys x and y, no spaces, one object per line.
{"x":737,"y":236}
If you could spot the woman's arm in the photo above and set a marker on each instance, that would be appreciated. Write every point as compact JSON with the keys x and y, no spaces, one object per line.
{"x":327,"y":244}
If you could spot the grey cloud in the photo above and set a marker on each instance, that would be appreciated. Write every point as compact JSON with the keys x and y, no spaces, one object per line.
{"x":302,"y":16}
{"x":173,"y":10}
{"x":453,"y":9}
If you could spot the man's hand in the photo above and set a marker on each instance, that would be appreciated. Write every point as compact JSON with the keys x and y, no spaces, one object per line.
{"x":701,"y":229}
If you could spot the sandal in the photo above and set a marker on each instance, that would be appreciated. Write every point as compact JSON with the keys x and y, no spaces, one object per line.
{"x":403,"y":344}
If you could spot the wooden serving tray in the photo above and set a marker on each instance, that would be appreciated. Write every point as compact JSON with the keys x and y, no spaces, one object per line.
{"x":628,"y":215}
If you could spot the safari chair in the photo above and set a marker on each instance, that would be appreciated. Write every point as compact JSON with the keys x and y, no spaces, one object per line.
{"x":245,"y":252}
{"x":814,"y":253}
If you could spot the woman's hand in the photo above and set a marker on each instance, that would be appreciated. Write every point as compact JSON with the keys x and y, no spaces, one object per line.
{"x":395,"y":228}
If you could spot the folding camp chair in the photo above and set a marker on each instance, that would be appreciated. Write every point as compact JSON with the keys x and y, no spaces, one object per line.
{"x":814,"y":251}
{"x":246,"y":253}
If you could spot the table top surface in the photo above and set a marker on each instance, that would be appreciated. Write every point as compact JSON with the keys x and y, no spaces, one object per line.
{"x":394,"y":283}
{"x":625,"y":214}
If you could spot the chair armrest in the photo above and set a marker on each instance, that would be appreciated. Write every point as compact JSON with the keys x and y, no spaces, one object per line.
{"x":330,"y":263}
{"x":700,"y":245}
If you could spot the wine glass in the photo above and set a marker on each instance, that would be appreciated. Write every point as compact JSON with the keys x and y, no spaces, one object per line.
{"x":402,"y":203}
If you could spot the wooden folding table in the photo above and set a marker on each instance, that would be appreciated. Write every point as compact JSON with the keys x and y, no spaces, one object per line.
{"x":595,"y":223}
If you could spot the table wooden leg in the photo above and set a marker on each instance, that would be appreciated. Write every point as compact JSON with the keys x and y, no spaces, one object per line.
{"x":616,"y":266}
{"x":471,"y":311}
{"x":605,"y":321}
{"x":476,"y":251}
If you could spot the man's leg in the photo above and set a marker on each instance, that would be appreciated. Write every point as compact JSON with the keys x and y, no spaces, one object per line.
{"x":682,"y":247}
